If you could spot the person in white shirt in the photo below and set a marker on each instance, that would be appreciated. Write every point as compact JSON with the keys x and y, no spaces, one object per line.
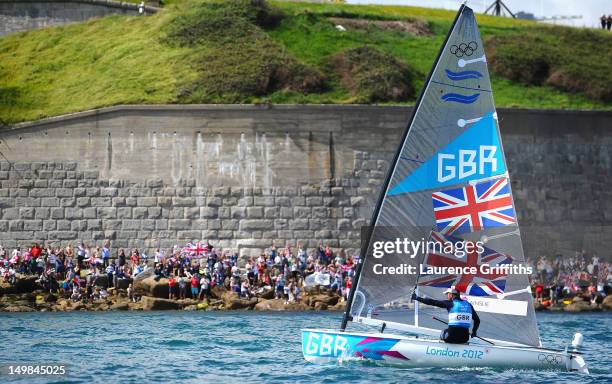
{"x":204,"y":287}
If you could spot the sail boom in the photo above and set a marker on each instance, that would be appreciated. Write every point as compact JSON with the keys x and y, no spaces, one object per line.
{"x":428,"y":331}
{"x":397,"y":326}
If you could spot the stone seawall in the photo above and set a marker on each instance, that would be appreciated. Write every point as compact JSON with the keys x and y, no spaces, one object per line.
{"x":243,"y":176}
{"x":60,"y":203}
{"x":23,"y":15}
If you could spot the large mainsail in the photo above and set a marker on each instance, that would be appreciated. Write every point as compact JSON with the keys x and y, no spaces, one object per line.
{"x":449,"y":182}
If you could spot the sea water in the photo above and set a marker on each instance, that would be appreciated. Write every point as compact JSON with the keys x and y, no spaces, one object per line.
{"x":231,"y":347}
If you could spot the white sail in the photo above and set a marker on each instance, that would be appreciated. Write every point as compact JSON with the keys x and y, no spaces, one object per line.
{"x":449,"y":182}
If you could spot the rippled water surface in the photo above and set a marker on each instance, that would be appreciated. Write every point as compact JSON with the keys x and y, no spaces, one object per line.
{"x":136,"y":347}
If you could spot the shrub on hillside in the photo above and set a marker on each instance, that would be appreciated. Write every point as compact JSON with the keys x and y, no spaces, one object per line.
{"x":220,"y":21}
{"x":238,"y":60}
{"x":568,"y":59}
{"x":372,"y":75}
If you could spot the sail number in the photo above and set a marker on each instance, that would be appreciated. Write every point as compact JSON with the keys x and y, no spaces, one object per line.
{"x":466,"y":163}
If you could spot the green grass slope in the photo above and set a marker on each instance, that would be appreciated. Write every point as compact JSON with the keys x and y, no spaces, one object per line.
{"x":250,"y":51}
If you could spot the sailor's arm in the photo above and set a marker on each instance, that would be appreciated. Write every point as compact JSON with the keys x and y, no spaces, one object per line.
{"x":436,"y":303}
{"x":476,"y":321}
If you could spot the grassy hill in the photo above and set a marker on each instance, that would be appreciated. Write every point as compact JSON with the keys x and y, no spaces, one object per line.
{"x":250,"y":51}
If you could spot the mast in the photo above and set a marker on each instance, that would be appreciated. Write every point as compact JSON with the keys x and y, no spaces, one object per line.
{"x":347,"y":316}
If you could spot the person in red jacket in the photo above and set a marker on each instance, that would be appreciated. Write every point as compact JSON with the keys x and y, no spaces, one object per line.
{"x":36,"y":251}
{"x":194,"y":287}
{"x":171,"y":287}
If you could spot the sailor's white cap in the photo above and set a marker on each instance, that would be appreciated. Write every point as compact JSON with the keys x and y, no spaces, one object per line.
{"x":452,"y":290}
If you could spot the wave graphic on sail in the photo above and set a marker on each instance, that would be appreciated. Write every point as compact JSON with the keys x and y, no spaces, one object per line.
{"x":458,"y":98}
{"x":463,"y":75}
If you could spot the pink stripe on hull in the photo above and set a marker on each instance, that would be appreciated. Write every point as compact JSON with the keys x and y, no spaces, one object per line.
{"x":395,"y":354}
{"x":368,"y":340}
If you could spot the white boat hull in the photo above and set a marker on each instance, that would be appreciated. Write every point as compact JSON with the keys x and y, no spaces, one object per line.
{"x":327,"y":346}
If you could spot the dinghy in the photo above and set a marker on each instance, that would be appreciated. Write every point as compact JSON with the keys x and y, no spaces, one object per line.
{"x":448,"y":184}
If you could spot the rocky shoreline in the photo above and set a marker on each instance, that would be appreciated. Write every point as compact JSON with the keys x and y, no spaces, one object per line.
{"x":577,"y":304}
{"x":27,"y":296}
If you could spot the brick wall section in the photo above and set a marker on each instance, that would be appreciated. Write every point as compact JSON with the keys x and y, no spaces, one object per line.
{"x":61,"y":203}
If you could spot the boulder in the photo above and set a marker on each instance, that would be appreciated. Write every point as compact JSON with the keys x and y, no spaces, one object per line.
{"x":578,"y":299}
{"x":320,"y":306}
{"x":24,"y":284}
{"x":75,"y":307}
{"x":266,"y":294}
{"x":120,"y":307}
{"x":340,"y":306}
{"x":157,"y":304}
{"x":63,"y":304}
{"x":50,"y":298}
{"x":123,"y":283}
{"x":241,"y":304}
{"x":579,"y":306}
{"x":188,"y":302}
{"x":279,"y":305}
{"x":152,"y":287}
{"x":137,"y":306}
{"x":191,"y":308}
{"x":101,"y":281}
{"x":539,"y":307}
{"x":217,"y":292}
{"x":329,"y":300}
{"x":607,"y":303}
{"x":18,"y":308}
{"x":232,"y":301}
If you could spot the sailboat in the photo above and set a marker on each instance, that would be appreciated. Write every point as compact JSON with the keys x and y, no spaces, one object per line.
{"x":448,"y":184}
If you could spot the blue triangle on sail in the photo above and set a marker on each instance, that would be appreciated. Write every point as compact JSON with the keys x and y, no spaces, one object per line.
{"x":475,"y":154}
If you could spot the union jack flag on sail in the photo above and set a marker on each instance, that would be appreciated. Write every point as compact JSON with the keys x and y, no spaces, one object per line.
{"x":477,"y":284}
{"x":197,"y":250}
{"x":474,"y":207}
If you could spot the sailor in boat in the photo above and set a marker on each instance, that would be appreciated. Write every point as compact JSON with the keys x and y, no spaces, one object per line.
{"x":460,"y":316}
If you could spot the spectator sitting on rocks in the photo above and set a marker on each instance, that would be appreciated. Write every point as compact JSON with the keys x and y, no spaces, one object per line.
{"x":245,"y":289}
{"x":130,"y":293}
{"x":103,"y":294}
{"x":76,"y":294}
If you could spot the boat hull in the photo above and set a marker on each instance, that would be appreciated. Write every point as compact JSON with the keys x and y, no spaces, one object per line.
{"x":327,"y":346}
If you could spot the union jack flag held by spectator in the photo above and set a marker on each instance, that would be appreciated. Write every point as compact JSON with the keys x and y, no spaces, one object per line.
{"x":194,"y":250}
{"x":478,"y":284}
{"x":474,"y":207}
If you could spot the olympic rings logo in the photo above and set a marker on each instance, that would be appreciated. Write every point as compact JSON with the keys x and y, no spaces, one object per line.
{"x":464,"y":49}
{"x":549,"y":359}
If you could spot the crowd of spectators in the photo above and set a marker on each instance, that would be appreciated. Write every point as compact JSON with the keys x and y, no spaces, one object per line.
{"x":195,"y":269}
{"x":561,"y":277}
{"x":192,"y":270}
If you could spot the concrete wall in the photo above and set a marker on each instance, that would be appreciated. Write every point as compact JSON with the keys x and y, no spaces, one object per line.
{"x":23,"y":15}
{"x":243,"y":176}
